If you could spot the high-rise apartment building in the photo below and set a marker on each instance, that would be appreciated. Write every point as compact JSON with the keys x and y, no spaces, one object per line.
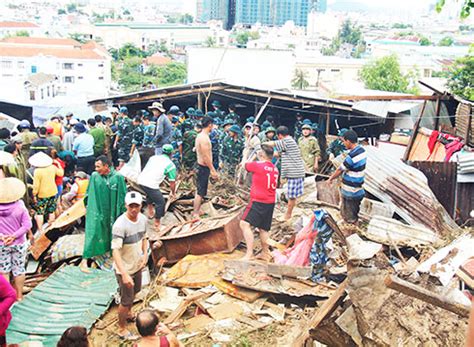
{"x":266,"y":12}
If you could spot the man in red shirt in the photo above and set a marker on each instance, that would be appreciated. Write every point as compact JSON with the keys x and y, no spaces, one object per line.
{"x":259,"y":211}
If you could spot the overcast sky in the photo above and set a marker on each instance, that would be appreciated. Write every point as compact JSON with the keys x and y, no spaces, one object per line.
{"x":392,"y":3}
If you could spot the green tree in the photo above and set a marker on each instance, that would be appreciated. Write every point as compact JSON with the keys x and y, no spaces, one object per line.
{"x":61,"y":11}
{"x":172,"y":74}
{"x":130,"y":75}
{"x":79,"y":37}
{"x":461,"y":77}
{"x":22,"y":33}
{"x":210,"y":42}
{"x":128,"y":50}
{"x":467,"y":6}
{"x":299,"y":80}
{"x":349,"y":33}
{"x":186,"y":19}
{"x":243,"y":37}
{"x":385,"y":74}
{"x":71,"y":8}
{"x":424,"y":41}
{"x":446,"y":41}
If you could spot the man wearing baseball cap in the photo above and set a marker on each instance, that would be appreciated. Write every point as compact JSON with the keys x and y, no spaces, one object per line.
{"x":130,"y":253}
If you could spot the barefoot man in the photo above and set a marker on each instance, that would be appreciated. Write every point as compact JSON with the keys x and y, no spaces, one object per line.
{"x":205,"y":168}
{"x":259,"y":211}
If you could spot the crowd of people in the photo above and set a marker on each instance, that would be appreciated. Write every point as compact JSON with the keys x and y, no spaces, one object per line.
{"x":46,"y":170}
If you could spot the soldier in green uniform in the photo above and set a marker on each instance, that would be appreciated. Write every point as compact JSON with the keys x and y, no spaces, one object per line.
{"x":337,"y":146}
{"x":137,"y":134}
{"x":298,"y":126}
{"x":232,"y":115}
{"x":266,"y":124}
{"x":309,"y":148}
{"x":189,"y":153}
{"x":148,"y":144}
{"x":217,"y":107}
{"x":123,"y":140}
{"x":176,"y":142}
{"x":231,"y":152}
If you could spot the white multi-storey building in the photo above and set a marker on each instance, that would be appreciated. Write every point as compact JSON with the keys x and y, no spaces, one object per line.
{"x":81,"y":70}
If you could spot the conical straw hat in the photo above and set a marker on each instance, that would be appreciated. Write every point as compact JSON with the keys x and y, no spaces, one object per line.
{"x":11,"y":190}
{"x":40,"y":159}
{"x":6,"y":158}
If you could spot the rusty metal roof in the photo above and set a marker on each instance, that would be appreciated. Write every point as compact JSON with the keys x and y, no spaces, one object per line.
{"x":394,"y":182}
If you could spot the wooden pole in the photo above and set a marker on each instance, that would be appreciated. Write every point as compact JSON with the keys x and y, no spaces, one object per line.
{"x":425,"y":295}
{"x":199,"y":101}
{"x":328,"y":120}
{"x":438,"y":109}
{"x":413,"y":136}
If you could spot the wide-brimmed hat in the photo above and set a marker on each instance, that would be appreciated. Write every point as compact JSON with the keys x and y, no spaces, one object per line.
{"x":167,"y":149}
{"x":270,"y":130}
{"x":6,"y":158}
{"x":190,"y":111}
{"x":40,"y":159}
{"x":81,"y":174}
{"x":306,"y":126}
{"x":174,"y":110}
{"x":198,"y":113}
{"x":11,"y":190}
{"x":216,"y":103}
{"x":157,"y":106}
{"x":80,"y":128}
{"x":24,"y":124}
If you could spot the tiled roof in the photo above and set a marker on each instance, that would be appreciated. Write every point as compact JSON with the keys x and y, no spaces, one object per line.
{"x":7,"y":24}
{"x":7,"y":50}
{"x":157,"y":59}
{"x":41,"y":41}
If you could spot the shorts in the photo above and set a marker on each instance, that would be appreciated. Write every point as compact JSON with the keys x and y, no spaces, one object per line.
{"x":127,"y":295}
{"x":124,"y":153}
{"x":350,"y":208}
{"x":203,"y":173}
{"x":154,"y":196}
{"x":45,"y":206}
{"x":295,"y":188}
{"x":13,"y":259}
{"x":259,"y":215}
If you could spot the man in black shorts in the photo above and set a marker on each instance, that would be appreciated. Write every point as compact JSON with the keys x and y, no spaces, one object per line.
{"x":259,"y":211}
{"x":205,"y":167}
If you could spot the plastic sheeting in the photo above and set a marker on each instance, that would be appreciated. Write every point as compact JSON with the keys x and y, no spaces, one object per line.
{"x":68,"y":297}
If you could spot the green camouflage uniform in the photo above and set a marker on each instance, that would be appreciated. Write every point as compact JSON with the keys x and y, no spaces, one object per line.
{"x":125,"y":134}
{"x":137,"y":137}
{"x":309,"y":148}
{"x":235,"y":117}
{"x":189,"y":155}
{"x":231,"y":153}
{"x":298,"y":129}
{"x":176,"y":141}
{"x":149,"y":135}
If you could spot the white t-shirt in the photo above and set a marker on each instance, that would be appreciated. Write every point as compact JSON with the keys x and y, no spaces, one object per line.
{"x":155,"y":171}
{"x":127,"y":237}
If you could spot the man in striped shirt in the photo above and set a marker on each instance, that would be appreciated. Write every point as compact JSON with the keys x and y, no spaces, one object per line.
{"x":353,"y":172}
{"x":292,"y":166}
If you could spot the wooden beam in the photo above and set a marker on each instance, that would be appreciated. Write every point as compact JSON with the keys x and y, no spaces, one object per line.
{"x":426,"y":295}
{"x":324,"y":311}
{"x":415,"y":132}
{"x":290,"y":98}
{"x":390,"y":97}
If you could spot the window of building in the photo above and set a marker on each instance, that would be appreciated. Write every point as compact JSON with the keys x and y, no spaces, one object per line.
{"x":68,"y":79}
{"x":335,"y":70}
{"x":101,"y":78}
{"x":32,"y":95}
{"x":80,"y":64}
{"x":42,"y":93}
{"x":101,"y":65}
{"x":80,"y":77}
{"x":34,"y":69}
{"x":68,"y":66}
{"x":7,"y":64}
{"x":21,"y":64}
{"x":7,"y":75}
{"x":47,"y":91}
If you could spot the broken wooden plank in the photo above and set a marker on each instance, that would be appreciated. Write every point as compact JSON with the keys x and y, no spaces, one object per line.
{"x":325,"y":311}
{"x":225,"y":310}
{"x":426,"y":295}
{"x":199,"y":302}
{"x":188,"y":301}
{"x":279,"y":271}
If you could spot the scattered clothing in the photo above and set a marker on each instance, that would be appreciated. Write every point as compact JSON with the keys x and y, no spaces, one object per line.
{"x":318,"y":255}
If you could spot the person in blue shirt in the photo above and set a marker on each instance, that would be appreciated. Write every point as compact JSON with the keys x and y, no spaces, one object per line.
{"x":353,"y":172}
{"x":83,"y":147}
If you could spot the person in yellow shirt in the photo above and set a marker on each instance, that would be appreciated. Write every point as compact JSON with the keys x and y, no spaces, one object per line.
{"x":44,"y":187}
{"x":57,"y":126}
{"x":78,"y":190}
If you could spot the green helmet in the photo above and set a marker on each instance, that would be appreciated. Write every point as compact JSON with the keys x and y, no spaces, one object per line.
{"x":167,"y":149}
{"x":270,"y":129}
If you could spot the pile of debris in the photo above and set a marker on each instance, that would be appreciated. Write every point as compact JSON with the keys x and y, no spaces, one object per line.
{"x":400,"y":278}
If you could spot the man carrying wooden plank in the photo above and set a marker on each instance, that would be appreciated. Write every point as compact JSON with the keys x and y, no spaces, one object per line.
{"x":259,"y":211}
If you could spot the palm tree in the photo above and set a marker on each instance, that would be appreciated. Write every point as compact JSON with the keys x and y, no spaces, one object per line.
{"x":299,"y":80}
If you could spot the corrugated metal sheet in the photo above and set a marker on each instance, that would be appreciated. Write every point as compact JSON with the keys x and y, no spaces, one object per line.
{"x":387,"y":231}
{"x":407,"y":188}
{"x":381,"y":109}
{"x":466,"y":162}
{"x":68,"y":297}
{"x":464,"y":119}
{"x":442,"y":181}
